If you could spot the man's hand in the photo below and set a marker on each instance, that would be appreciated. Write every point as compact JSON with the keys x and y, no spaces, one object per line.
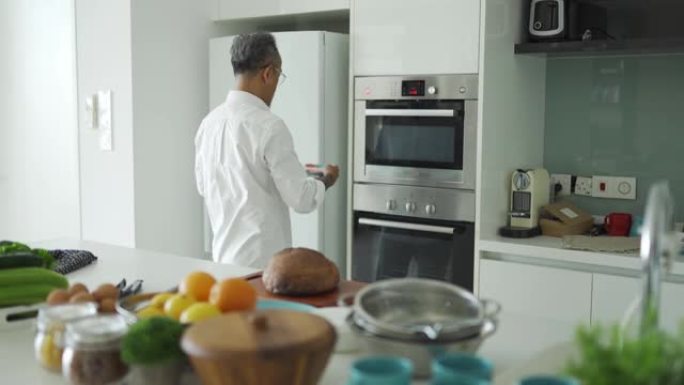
{"x":330,"y":175}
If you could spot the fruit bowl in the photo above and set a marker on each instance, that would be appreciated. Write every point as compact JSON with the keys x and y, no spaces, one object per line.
{"x":129,"y":306}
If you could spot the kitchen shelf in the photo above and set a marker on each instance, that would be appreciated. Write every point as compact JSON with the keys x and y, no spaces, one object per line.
{"x":602,"y":47}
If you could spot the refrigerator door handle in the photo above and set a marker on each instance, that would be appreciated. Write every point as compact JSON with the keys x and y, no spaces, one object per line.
{"x":420,"y":113}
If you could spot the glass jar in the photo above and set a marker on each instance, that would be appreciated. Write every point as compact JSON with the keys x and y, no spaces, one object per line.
{"x":92,"y":352}
{"x":48,"y":343}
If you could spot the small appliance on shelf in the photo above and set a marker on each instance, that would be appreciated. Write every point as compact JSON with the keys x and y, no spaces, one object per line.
{"x":530,"y":190}
{"x":548,"y":19}
{"x":559,"y":20}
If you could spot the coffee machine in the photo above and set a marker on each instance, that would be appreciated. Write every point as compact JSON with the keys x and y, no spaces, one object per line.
{"x":530,"y":191}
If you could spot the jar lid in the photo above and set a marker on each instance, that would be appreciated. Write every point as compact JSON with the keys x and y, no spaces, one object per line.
{"x":61,"y":314}
{"x":270,"y":332}
{"x":95,"y":331}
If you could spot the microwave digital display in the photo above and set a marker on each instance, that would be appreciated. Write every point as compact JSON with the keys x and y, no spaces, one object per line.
{"x":413,"y":88}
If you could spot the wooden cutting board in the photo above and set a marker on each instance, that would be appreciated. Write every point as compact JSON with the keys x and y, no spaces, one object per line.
{"x":320,"y":300}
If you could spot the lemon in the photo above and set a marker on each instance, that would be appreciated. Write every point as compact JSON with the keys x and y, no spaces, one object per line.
{"x":174,"y":306}
{"x":198,"y":312}
{"x":159,"y":299}
{"x":150,"y":311}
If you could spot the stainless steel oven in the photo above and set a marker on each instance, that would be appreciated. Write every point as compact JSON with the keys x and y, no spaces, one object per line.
{"x":406,"y":231}
{"x":418,"y":130}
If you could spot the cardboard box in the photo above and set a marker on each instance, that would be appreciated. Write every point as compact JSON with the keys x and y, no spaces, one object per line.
{"x":564,"y":218}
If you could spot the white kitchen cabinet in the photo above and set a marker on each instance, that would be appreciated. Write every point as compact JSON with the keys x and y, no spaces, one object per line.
{"x":554,"y":302}
{"x":558,"y":294}
{"x":415,"y":37}
{"x":236,"y":9}
{"x":612,"y":295}
{"x":311,"y":6}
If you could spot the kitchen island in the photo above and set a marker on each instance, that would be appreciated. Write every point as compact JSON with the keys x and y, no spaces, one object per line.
{"x":509,"y":349}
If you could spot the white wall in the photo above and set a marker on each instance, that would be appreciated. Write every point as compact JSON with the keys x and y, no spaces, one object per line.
{"x":512,"y":99}
{"x":104,"y":62}
{"x":170,"y":97}
{"x":38,"y":143}
{"x":153,"y":55}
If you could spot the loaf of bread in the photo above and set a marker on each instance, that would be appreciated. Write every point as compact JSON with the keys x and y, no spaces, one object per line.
{"x":300,"y":271}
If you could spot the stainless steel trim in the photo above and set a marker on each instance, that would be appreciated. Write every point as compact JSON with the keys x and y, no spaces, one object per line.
{"x":448,"y":204}
{"x":406,"y":226}
{"x":397,"y":112}
{"x":461,"y":87}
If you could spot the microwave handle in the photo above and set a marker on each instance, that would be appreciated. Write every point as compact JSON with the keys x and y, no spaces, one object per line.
{"x":420,"y":113}
{"x":407,"y":226}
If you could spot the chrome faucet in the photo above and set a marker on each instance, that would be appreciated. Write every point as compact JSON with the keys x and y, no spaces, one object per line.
{"x":656,"y":247}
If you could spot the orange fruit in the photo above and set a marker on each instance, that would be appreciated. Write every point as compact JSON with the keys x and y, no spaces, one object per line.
{"x":197,"y":285}
{"x":233,"y":294}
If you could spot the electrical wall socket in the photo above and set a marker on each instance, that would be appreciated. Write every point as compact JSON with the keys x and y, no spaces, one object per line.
{"x":583,"y":186}
{"x":613,"y":187}
{"x":565,"y":180}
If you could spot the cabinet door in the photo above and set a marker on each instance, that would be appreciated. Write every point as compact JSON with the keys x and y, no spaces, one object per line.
{"x":235,"y":9}
{"x":415,"y":37}
{"x":541,"y":306}
{"x":612,"y":295}
{"x":310,"y":6}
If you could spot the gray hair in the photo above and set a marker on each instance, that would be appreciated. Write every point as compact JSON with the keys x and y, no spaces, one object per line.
{"x":252,"y":51}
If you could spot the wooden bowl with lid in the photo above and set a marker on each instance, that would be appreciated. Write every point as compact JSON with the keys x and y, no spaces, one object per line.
{"x":261,"y":347}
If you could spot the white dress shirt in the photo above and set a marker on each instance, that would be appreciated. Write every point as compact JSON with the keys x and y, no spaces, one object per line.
{"x":248,"y":173}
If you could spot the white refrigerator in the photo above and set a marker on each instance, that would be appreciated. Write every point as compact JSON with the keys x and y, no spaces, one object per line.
{"x":313,"y":103}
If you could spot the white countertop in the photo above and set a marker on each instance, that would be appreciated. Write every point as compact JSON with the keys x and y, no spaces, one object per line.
{"x":518,"y":339}
{"x":549,"y":250}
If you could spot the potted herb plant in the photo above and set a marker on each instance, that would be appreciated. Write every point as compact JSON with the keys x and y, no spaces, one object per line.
{"x":611,"y":355}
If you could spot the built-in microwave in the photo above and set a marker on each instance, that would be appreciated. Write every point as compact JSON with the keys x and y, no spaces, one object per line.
{"x":416,"y":131}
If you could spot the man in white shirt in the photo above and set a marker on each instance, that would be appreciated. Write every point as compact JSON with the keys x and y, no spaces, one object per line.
{"x":245,"y":165}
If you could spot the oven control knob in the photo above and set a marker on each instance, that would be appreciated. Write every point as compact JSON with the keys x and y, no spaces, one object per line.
{"x":430,"y":209}
{"x":432,"y":90}
{"x":391,"y":205}
{"x":410,"y":207}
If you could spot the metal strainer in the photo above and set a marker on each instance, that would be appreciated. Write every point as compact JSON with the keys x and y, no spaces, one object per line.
{"x":421,"y":310}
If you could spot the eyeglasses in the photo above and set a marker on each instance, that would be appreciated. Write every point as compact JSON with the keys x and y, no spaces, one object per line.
{"x":281,"y":76}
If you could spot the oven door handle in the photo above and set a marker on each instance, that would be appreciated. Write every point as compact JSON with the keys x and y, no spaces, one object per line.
{"x":397,"y":112}
{"x":407,"y":226}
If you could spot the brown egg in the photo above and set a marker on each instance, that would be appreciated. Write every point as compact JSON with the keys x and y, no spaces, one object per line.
{"x":57,"y":297}
{"x":108,"y":305}
{"x":77,"y":288}
{"x":82,"y":297}
{"x":106,"y":290}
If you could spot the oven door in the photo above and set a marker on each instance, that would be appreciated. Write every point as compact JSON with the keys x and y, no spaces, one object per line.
{"x":387,"y":246}
{"x":416,"y":142}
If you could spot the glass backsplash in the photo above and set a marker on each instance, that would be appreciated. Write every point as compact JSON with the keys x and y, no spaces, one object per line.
{"x":617,"y":116}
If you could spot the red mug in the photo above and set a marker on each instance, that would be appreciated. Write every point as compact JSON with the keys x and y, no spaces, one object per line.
{"x":618,"y":224}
